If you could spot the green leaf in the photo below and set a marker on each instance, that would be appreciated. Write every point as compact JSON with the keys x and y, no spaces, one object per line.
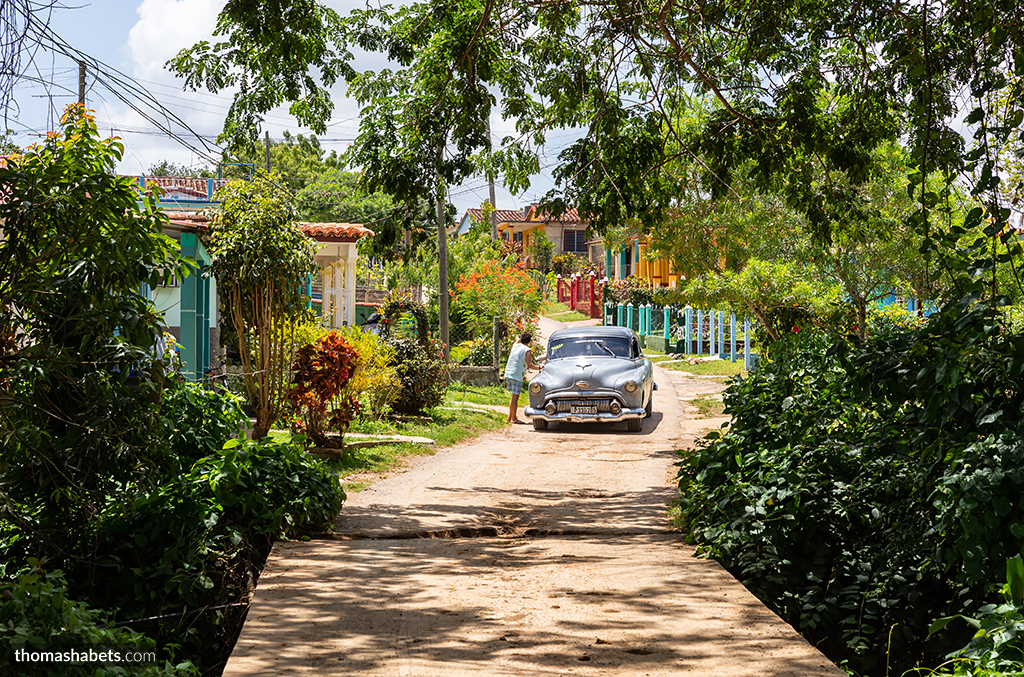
{"x":1015,"y":580}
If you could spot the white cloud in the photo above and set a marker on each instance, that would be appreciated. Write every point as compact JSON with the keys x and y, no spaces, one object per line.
{"x":165,"y":27}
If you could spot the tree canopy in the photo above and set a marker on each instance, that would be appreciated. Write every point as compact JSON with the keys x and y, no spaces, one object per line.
{"x":801,"y":94}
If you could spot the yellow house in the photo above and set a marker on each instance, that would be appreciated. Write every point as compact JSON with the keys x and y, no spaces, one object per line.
{"x":633,"y":260}
{"x":568,"y":232}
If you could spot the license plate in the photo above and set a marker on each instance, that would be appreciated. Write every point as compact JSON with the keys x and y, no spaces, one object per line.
{"x":581,"y":409}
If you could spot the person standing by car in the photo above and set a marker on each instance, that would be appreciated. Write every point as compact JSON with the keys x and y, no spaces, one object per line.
{"x":515,"y":369}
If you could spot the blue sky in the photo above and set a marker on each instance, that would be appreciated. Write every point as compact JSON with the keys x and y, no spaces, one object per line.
{"x":137,"y":37}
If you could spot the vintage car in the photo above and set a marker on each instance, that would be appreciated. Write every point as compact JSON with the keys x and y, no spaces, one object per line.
{"x":592,"y":375}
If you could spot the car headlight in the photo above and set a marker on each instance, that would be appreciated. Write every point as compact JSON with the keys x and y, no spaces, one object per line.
{"x":535,"y":388}
{"x":630,"y":386}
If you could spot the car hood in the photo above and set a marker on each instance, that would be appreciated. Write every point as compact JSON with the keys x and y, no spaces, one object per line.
{"x":599,"y":371}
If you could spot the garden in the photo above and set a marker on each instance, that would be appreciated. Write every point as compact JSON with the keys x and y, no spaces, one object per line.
{"x":134,"y":509}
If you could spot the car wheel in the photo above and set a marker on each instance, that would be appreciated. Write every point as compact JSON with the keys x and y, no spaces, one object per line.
{"x":649,"y":409}
{"x":540,"y":424}
{"x":634,"y":425}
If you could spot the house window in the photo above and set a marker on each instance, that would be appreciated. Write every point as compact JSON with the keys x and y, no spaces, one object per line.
{"x":518,"y":237}
{"x":574,"y":241}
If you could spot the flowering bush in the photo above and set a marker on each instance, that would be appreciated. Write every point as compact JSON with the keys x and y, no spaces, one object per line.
{"x":891,"y":318}
{"x":496,"y":289}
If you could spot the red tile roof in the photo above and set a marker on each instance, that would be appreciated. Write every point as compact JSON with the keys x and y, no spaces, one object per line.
{"x":190,"y":185}
{"x":189,"y":220}
{"x":504,"y":215}
{"x":334,"y":230}
{"x":569,"y":216}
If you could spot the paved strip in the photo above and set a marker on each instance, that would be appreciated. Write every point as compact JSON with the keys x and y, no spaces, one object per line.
{"x":635,"y":605}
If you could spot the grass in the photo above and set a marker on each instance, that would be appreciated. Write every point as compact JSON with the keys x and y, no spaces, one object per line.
{"x":709,"y":406}
{"x":711,"y":368}
{"x":447,"y":427}
{"x":461,"y":393}
{"x":560,"y":311}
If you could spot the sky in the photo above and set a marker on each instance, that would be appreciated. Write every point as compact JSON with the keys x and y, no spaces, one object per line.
{"x":137,"y":37}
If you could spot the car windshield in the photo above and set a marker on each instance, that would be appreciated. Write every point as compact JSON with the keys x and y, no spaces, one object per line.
{"x":611,"y":346}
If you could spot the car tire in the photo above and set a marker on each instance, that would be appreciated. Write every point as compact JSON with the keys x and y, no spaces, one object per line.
{"x":649,"y":409}
{"x":540,"y":424}
{"x":634,"y":425}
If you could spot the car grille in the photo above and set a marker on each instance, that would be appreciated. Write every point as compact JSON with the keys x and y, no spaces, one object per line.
{"x":603,"y":405}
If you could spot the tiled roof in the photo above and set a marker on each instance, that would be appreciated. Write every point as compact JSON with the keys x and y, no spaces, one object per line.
{"x":504,"y":215}
{"x":570,"y":216}
{"x":191,"y":185}
{"x":189,"y":220}
{"x":316,"y":230}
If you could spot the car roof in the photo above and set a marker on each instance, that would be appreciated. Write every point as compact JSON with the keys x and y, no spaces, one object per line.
{"x":592,"y":332}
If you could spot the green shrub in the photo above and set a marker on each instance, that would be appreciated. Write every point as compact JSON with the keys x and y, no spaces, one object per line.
{"x":198,"y":421}
{"x":200,"y":540}
{"x":375,"y":380}
{"x":865,"y":489}
{"x":36,"y":614}
{"x":998,"y":643}
{"x":423,"y":375}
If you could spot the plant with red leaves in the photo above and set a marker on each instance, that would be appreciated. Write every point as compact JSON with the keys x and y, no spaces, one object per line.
{"x":321,"y":371}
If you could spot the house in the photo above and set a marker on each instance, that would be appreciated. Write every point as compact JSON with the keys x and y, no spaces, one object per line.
{"x":568,"y":232}
{"x":475,"y":216}
{"x":333,"y":295}
{"x":633,"y":260}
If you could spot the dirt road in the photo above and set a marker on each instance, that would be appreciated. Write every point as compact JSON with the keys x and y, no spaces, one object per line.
{"x":520,"y":553}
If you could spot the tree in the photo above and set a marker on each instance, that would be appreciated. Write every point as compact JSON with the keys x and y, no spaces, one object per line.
{"x":772,"y":291}
{"x":298,"y":160}
{"x":542,"y":250}
{"x":619,"y":71}
{"x":340,"y":196}
{"x":165,"y":168}
{"x":261,"y":259}
{"x":79,"y":382}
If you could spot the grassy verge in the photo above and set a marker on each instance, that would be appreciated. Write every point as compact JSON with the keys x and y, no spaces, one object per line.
{"x":725,"y":368}
{"x":459,"y":393}
{"x":709,"y":406}
{"x":446,"y":427}
{"x":560,"y":311}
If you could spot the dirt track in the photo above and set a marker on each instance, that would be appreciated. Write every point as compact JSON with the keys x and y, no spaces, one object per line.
{"x":519,"y":553}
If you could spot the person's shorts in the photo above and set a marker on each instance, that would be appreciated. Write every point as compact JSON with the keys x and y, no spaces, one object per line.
{"x":514,"y":385}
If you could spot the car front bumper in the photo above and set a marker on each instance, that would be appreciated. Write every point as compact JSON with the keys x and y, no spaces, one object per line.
{"x":600,"y":417}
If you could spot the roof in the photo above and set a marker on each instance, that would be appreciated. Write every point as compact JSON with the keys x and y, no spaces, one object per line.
{"x":592,"y":332}
{"x":570,"y":215}
{"x":349,"y":231}
{"x":504,"y":215}
{"x":194,"y":186}
{"x":189,"y":220}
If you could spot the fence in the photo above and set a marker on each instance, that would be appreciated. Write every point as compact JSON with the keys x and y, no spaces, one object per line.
{"x":689,"y":331}
{"x":581,"y":293}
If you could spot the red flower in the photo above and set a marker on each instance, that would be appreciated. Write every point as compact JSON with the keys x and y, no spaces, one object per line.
{"x":796,"y":330}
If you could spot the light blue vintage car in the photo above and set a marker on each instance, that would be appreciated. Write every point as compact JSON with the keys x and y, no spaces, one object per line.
{"x":592,"y":375}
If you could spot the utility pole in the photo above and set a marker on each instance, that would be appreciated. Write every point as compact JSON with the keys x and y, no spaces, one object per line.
{"x":81,"y":82}
{"x":490,"y":187}
{"x":442,"y":258}
{"x":267,"y":141}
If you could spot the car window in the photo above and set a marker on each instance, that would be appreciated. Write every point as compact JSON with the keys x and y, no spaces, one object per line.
{"x":578,"y":346}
